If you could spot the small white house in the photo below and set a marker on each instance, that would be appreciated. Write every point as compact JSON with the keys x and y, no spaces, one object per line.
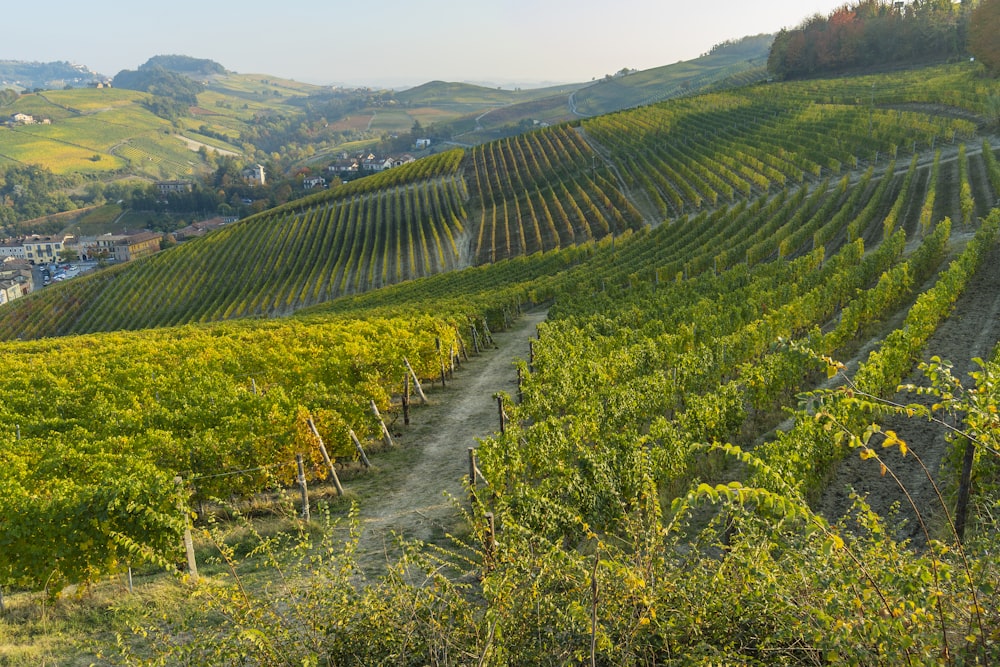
{"x":254,"y":175}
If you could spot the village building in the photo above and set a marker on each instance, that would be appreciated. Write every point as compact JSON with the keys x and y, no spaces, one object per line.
{"x":254,"y":175}
{"x":10,"y":290}
{"x":25,"y":119}
{"x":18,"y":271}
{"x":120,"y":247}
{"x":196,"y":229}
{"x":12,"y":249}
{"x":46,"y":249}
{"x":169,"y":187}
{"x":344,"y":166}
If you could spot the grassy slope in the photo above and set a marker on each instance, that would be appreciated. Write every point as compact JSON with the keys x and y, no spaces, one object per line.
{"x":87,"y":123}
{"x":660,"y":83}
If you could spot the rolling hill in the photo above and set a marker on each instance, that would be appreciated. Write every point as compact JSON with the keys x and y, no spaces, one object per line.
{"x":108,"y":133}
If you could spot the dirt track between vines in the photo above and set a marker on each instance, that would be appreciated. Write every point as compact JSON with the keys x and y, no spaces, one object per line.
{"x":427,"y":497}
{"x":426,"y":493}
{"x":972,"y":330}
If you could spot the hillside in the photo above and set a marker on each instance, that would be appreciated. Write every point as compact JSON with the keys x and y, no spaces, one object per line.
{"x":657,"y":489}
{"x":20,"y":76}
{"x":552,"y":188}
{"x":737,"y":63}
{"x":195,"y":102}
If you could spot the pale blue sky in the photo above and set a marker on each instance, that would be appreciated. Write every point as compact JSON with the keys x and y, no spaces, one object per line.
{"x":392,"y":42}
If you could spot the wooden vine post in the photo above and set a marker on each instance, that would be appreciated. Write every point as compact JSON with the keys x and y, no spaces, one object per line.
{"x":416,"y":382}
{"x":475,"y":338}
{"x":188,"y":542}
{"x":487,"y":335}
{"x":385,"y":432}
{"x":472,"y":467}
{"x":361,"y":450}
{"x":437,"y":342}
{"x":503,"y":416}
{"x":461,"y":344}
{"x":964,"y":485}
{"x":302,"y":487}
{"x":406,"y":399}
{"x":326,"y":458}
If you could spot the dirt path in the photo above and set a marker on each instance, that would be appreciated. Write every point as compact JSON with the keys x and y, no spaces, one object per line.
{"x":972,"y":331}
{"x":195,"y":145}
{"x":427,"y":478}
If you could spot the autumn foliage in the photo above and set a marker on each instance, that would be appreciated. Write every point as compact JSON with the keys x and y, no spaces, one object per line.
{"x":870,"y":33}
{"x":984,"y":42}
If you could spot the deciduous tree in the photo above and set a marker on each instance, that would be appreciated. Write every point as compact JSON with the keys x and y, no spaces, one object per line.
{"x":984,"y":34}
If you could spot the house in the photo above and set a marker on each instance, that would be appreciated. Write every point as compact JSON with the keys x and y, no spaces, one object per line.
{"x":401,"y":160}
{"x":168,"y":187}
{"x":344,"y":166}
{"x":254,"y":175}
{"x":313,"y":182}
{"x":22,"y":119}
{"x":19,"y":271}
{"x":10,"y":290}
{"x":130,"y":246}
{"x":12,"y":249}
{"x":196,"y":229}
{"x":46,"y":249}
{"x":120,"y":247}
{"x":421,"y":144}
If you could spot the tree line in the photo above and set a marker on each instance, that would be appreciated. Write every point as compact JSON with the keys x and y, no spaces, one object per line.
{"x":870,"y":33}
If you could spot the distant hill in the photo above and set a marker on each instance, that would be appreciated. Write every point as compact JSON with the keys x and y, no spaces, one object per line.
{"x":20,"y":75}
{"x":184,"y":65}
{"x":729,"y":64}
{"x":445,"y":93}
{"x":739,"y":61}
{"x":159,"y":81}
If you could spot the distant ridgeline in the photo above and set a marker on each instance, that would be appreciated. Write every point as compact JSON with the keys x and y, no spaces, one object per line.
{"x":184,"y":65}
{"x":871,"y":33}
{"x":19,"y":75}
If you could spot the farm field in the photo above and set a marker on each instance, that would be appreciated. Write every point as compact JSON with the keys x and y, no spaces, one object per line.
{"x":97,"y":131}
{"x":688,"y":324}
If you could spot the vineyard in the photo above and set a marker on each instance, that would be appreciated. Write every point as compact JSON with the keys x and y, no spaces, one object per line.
{"x":548,"y":189}
{"x":735,"y":286}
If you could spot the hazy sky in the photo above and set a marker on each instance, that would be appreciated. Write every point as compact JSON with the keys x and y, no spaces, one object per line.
{"x":392,"y":42}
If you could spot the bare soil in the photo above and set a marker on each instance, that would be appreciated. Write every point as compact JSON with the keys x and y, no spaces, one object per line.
{"x":424,"y":493}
